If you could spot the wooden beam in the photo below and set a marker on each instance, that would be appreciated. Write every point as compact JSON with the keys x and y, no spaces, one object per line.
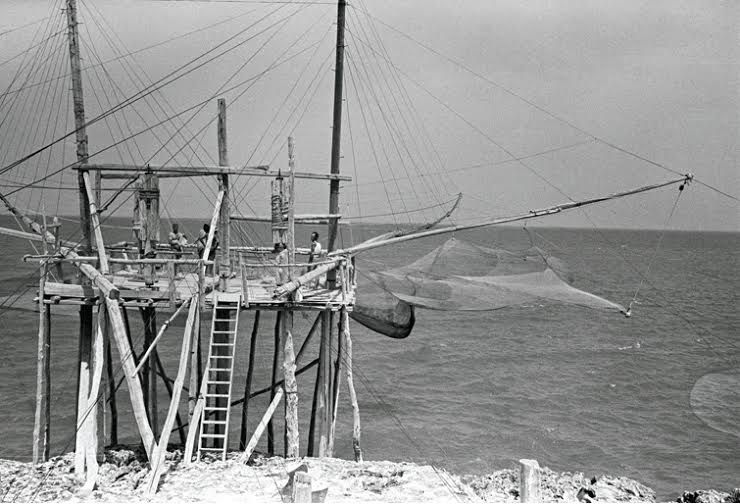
{"x":294,"y":285}
{"x":529,"y":481}
{"x":128,"y":364}
{"x":324,"y":397}
{"x":198,"y":171}
{"x":244,"y":457}
{"x":273,"y":391}
{"x":95,"y":222}
{"x":161,"y":450}
{"x":160,"y":333}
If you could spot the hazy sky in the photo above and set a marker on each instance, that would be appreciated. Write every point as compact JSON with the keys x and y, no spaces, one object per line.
{"x":659,"y":78}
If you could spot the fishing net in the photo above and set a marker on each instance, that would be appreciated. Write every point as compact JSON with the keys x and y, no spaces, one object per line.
{"x":459,"y":276}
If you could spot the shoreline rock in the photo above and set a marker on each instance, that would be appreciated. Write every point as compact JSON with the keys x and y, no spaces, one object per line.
{"x":124,"y":472}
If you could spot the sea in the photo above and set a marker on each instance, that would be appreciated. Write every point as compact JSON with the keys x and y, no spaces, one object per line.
{"x":654,"y":397}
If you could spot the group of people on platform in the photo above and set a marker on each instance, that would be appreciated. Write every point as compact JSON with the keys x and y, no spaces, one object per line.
{"x":177,"y":242}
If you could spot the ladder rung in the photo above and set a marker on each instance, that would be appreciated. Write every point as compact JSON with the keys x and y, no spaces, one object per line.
{"x":204,"y":435}
{"x":219,"y":369}
{"x":222,"y":356}
{"x":222,"y":344}
{"x":230,"y":331}
{"x":212,"y":449}
{"x":216,"y":422}
{"x":218,"y":395}
{"x":225,"y":320}
{"x":217,"y":382}
{"x":214,"y":408}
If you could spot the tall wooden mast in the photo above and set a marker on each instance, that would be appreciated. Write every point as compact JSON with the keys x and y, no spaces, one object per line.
{"x":84,"y":378}
{"x":337,"y":124}
{"x":79,"y":112}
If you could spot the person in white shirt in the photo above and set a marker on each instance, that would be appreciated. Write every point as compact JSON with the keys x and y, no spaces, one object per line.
{"x":315,"y":249}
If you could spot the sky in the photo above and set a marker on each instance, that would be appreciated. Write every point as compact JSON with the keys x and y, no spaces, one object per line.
{"x":517,"y":105}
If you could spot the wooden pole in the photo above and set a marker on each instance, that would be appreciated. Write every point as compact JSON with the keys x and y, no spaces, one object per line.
{"x":224,"y":222}
{"x":324,"y":402}
{"x":244,"y":457}
{"x":347,"y":352}
{"x":248,"y":383}
{"x":195,"y":367}
{"x":83,"y":388}
{"x":336,"y":384}
{"x":151,"y":331}
{"x":166,"y":380}
{"x":529,"y":481}
{"x":42,"y":417}
{"x":311,"y":451}
{"x":336,"y":138}
{"x":111,"y":390}
{"x":157,"y":462}
{"x":128,"y":363}
{"x":291,"y":387}
{"x":275,"y":358}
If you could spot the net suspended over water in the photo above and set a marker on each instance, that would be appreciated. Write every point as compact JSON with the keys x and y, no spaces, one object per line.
{"x":459,"y":276}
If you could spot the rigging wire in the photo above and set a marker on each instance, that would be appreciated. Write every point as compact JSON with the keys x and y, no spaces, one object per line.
{"x":539,"y":107}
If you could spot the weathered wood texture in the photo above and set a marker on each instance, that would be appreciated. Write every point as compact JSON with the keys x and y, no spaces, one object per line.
{"x":291,"y":387}
{"x":248,"y":381}
{"x":42,"y":418}
{"x":157,"y":461}
{"x":244,"y":457}
{"x":224,"y":223}
{"x":529,"y":481}
{"x":347,"y":357}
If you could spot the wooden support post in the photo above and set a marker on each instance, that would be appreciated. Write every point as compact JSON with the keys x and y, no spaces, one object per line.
{"x":83,"y":387}
{"x":128,"y":364}
{"x":244,"y":457}
{"x":95,"y":222}
{"x":149,"y":203}
{"x":150,"y":331}
{"x":276,"y":208}
{"x":275,"y":358}
{"x":248,"y":383}
{"x":157,"y":461}
{"x":57,"y":225}
{"x":291,"y":387}
{"x":42,"y":417}
{"x":324,"y":402}
{"x":194,"y":364}
{"x":347,"y":353}
{"x":111,"y":389}
{"x":336,"y":384}
{"x":529,"y":481}
{"x":168,"y":385}
{"x":224,"y":222}
{"x":301,"y":488}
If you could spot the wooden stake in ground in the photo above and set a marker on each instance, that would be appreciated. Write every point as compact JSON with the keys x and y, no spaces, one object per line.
{"x":275,"y":357}
{"x":529,"y":481}
{"x":244,"y":457}
{"x":291,"y":387}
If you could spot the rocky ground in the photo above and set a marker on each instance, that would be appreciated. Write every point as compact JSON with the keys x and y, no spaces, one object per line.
{"x":124,"y":474}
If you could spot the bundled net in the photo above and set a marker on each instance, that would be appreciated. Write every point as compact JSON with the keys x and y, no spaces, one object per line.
{"x":459,"y":276}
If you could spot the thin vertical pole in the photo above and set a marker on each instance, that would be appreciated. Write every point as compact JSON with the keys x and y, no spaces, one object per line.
{"x":111,"y":389}
{"x":275,"y":357}
{"x":336,"y":136}
{"x":324,"y":403}
{"x":248,"y":384}
{"x":43,"y":376}
{"x":224,"y":220}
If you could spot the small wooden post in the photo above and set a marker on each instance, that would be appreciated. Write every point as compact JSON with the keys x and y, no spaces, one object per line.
{"x":43,"y":376}
{"x":248,"y":384}
{"x":194,"y":383}
{"x":83,"y":387}
{"x":301,"y":491}
{"x":58,"y":245}
{"x":224,"y":222}
{"x":529,"y":481}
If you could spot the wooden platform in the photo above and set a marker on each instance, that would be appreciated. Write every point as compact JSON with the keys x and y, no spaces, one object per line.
{"x":163,"y":294}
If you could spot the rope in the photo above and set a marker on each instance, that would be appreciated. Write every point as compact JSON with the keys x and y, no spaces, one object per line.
{"x":657,"y":247}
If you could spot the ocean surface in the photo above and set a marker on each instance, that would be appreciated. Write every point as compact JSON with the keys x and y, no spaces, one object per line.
{"x":655,"y":397}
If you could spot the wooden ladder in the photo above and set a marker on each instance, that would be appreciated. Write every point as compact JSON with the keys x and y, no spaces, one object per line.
{"x":214,"y":420}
